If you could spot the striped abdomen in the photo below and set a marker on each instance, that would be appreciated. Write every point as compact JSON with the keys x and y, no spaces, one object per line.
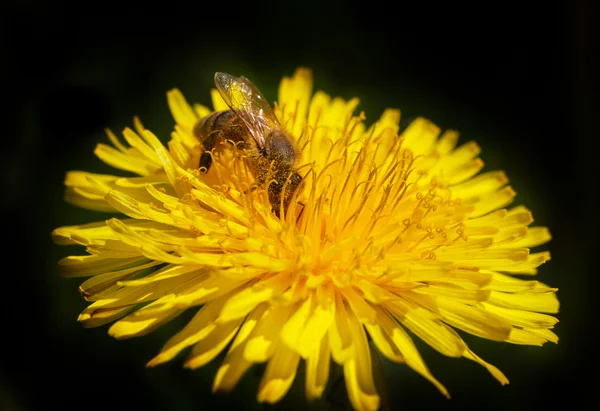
{"x":218,"y":127}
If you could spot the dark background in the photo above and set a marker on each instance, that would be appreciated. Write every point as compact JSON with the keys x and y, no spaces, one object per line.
{"x":517,"y":78}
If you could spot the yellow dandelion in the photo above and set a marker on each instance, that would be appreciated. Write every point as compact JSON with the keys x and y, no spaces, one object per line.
{"x":393,"y":234}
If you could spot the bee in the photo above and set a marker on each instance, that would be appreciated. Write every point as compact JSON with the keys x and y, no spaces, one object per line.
{"x":251,"y":125}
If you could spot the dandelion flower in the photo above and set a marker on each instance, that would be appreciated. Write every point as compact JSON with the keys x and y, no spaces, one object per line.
{"x":395,"y":234}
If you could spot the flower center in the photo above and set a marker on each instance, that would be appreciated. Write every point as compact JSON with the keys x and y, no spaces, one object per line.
{"x":366,"y":212}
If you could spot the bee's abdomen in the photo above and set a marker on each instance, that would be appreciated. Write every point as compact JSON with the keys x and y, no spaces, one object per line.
{"x":220,"y":124}
{"x":215,"y":128}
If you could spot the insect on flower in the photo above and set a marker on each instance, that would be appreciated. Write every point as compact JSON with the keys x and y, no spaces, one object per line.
{"x":251,"y":125}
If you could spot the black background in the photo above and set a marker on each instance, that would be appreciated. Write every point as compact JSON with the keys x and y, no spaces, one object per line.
{"x":517,"y":78}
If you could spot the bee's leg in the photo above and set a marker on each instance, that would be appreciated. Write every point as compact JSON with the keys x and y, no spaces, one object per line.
{"x":205,"y":161}
{"x":209,"y":143}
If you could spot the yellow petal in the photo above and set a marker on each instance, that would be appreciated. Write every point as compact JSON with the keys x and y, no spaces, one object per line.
{"x":383,"y":340}
{"x":385,"y":132}
{"x":292,"y":330}
{"x":183,"y":156}
{"x":64,"y":235}
{"x":201,"y":111}
{"x":488,"y":258}
{"x":407,"y":348}
{"x":474,"y":320}
{"x":166,"y":161}
{"x":88,"y":265}
{"x":265,"y":336}
{"x":129,"y":206}
{"x":132,"y":326}
{"x":196,"y":330}
{"x":496,"y":373}
{"x":136,"y":142}
{"x":470,"y":318}
{"x":235,"y":365}
{"x":506,"y":283}
{"x":165,"y":273}
{"x":217,"y":101}
{"x":464,"y":172}
{"x":340,"y":339}
{"x":209,"y":347}
{"x":318,"y":105}
{"x":113,"y":139}
{"x":358,"y":370}
{"x":447,"y":141}
{"x":180,"y":109}
{"x":463,"y":154}
{"x":532,"y":336}
{"x":540,"y":302}
{"x":95,"y":317}
{"x":279,"y":375}
{"x":494,"y":201}
{"x":121,"y":298}
{"x":525,"y":319}
{"x":317,"y":370}
{"x":131,"y":236}
{"x":523,"y":267}
{"x":372,"y":292}
{"x":246,"y":300}
{"x":103,"y":282}
{"x":78,"y":198}
{"x":359,"y":306}
{"x":482,"y":184}
{"x":223,"y":205}
{"x":117,"y":159}
{"x":545,"y":334}
{"x":316,"y":328}
{"x":82,"y":179}
{"x":205,"y":288}
{"x":535,"y":236}
{"x":522,"y":337}
{"x":470,"y":295}
{"x":420,"y":136}
{"x":469,"y":279}
{"x":294,"y":98}
{"x":428,"y":327}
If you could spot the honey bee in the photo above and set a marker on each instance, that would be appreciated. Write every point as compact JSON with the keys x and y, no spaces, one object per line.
{"x":251,"y":125}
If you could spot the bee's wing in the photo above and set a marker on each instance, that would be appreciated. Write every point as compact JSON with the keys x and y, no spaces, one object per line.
{"x":249,"y":104}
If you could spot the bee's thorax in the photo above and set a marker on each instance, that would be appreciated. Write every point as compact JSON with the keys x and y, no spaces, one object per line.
{"x":279,"y":148}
